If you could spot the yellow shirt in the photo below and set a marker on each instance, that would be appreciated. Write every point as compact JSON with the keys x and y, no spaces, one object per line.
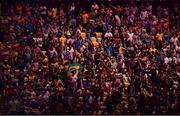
{"x":45,"y":60}
{"x":31,"y":77}
{"x":121,"y":50}
{"x":95,"y":43}
{"x":152,"y":50}
{"x":93,"y":39}
{"x":62,"y":40}
{"x":83,"y":34}
{"x":159,"y":36}
{"x":68,"y":33}
{"x":98,"y":34}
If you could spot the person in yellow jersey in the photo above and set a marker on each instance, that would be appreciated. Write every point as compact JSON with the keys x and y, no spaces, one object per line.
{"x":83,"y":35}
{"x":68,"y":33}
{"x":153,"y":50}
{"x":62,"y":40}
{"x":94,"y":41}
{"x":159,"y":36}
{"x":98,"y":36}
{"x":121,"y":49}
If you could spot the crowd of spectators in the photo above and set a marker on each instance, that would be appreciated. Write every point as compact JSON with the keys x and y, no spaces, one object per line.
{"x":130,"y":56}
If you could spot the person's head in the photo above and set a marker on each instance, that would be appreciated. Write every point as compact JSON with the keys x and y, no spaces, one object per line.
{"x":84,"y":12}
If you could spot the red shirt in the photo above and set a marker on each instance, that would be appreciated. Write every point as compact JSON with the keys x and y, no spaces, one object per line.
{"x":117,"y":40}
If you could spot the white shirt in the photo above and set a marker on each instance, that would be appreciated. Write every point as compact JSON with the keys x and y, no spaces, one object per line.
{"x":177,"y":48}
{"x":167,"y":60}
{"x":95,"y":7}
{"x":130,"y":36}
{"x":108,"y":34}
{"x":72,"y":8}
{"x":74,"y":78}
{"x":174,"y":40}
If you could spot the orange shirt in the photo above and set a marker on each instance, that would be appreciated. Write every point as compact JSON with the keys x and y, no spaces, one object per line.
{"x":159,"y":36}
{"x":85,"y":17}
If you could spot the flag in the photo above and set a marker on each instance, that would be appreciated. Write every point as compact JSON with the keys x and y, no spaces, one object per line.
{"x":74,"y":69}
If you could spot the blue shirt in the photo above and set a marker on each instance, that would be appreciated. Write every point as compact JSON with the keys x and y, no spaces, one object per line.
{"x":77,"y":43}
